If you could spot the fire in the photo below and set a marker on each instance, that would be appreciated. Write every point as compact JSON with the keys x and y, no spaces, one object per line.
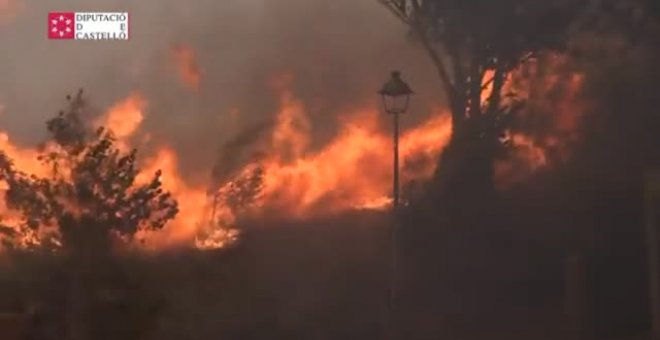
{"x":352,"y":171}
{"x":291,"y":135}
{"x":23,"y":158}
{"x":526,"y":156}
{"x":332,"y":178}
{"x":559,"y":115}
{"x":421,"y":146}
{"x":124,"y":119}
{"x":554,"y":89}
{"x":26,"y":160}
{"x":193,"y":204}
{"x":187,"y":66}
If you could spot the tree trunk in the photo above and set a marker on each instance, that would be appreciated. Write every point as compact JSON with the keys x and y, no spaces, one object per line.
{"x":88,"y":247}
{"x":464,"y":179}
{"x":75,"y":309}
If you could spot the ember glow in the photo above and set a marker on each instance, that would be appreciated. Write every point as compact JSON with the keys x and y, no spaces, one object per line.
{"x":535,"y":147}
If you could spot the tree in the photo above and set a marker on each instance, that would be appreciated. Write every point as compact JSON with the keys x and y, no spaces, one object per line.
{"x":89,"y":198}
{"x":475,"y":45}
{"x":91,"y":192}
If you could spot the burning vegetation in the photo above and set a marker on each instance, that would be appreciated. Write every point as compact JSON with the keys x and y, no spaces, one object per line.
{"x":288,"y":177}
{"x":290,"y":231}
{"x":350,"y":172}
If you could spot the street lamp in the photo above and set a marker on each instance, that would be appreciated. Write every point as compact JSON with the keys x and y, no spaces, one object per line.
{"x":395,"y":94}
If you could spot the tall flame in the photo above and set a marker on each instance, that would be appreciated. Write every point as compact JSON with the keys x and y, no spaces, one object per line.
{"x":353,"y":170}
{"x":124,"y":119}
{"x":193,"y":204}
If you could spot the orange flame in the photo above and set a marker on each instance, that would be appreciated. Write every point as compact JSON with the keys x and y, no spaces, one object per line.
{"x":124,"y":119}
{"x":291,"y":135}
{"x":533,"y":150}
{"x":353,"y":170}
{"x":23,"y":158}
{"x":193,"y":204}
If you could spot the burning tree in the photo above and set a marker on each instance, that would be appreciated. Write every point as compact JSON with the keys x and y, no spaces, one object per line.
{"x":475,"y":46}
{"x":90,"y":194}
{"x":90,"y":197}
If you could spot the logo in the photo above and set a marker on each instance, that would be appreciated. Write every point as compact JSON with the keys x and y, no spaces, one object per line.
{"x":88,"y":25}
{"x":61,"y":25}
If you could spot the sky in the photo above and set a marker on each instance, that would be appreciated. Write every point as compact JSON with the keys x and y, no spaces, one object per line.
{"x":340,"y":52}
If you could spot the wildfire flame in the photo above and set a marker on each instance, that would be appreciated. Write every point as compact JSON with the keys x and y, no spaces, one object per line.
{"x":352,"y":171}
{"x":124,"y":119}
{"x":193,"y":203}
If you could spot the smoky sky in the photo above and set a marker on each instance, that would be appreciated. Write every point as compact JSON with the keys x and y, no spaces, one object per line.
{"x":339,"y":51}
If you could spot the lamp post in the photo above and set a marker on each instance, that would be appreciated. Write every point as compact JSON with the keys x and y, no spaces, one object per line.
{"x":395,"y":94}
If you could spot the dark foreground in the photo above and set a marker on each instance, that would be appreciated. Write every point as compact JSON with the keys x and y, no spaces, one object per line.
{"x":330,"y":280}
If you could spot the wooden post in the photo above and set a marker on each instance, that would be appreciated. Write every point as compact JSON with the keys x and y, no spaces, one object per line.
{"x":651,"y":202}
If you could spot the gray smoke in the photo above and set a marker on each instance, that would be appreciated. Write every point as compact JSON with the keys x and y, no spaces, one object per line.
{"x":340,"y":51}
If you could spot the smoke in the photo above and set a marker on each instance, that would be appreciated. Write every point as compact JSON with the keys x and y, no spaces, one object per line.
{"x":339,"y":52}
{"x":237,"y":151}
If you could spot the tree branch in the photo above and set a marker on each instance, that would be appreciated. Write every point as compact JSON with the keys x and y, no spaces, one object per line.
{"x":496,"y":95}
{"x":522,"y":60}
{"x":395,"y":8}
{"x":419,"y":29}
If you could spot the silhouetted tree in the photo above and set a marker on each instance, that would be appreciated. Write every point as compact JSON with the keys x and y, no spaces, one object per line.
{"x":475,"y":45}
{"x":89,"y":199}
{"x":243,"y":190}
